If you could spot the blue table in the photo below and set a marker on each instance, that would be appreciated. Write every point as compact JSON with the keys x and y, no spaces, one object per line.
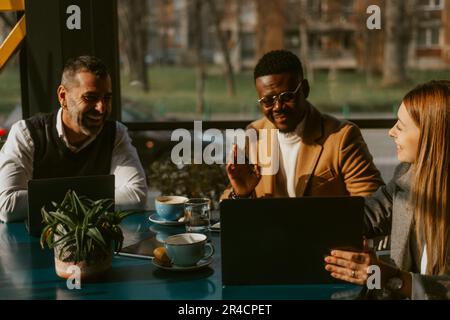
{"x":27,"y":272}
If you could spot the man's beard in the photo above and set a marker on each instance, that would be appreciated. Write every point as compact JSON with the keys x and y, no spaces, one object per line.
{"x":287,"y":130}
{"x":89,"y":130}
{"x":293,"y":119}
{"x":289,"y":124}
{"x":85,"y":128}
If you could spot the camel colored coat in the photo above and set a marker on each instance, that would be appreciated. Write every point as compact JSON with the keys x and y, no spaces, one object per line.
{"x":333,"y":160}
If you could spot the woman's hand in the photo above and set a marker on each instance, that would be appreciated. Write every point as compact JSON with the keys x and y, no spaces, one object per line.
{"x":350,"y":266}
{"x":243,"y":177}
{"x":353,"y":267}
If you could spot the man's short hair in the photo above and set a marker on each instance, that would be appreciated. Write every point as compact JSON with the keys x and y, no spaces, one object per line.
{"x":278,"y":61}
{"x":89,"y":64}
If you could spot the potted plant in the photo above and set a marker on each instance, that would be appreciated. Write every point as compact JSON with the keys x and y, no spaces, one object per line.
{"x":84,"y":233}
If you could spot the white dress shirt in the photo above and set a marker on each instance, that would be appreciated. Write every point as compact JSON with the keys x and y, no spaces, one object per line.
{"x":16,"y":168}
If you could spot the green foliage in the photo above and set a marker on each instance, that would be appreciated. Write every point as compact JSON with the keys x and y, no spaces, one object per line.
{"x":192,"y":181}
{"x":9,"y":88}
{"x":82,"y":229}
{"x":173,"y":93}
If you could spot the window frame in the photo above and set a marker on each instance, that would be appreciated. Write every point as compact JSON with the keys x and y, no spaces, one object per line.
{"x":428,"y":37}
{"x":375,"y":123}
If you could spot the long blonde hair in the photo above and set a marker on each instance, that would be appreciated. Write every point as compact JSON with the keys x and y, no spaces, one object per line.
{"x":429,"y":106}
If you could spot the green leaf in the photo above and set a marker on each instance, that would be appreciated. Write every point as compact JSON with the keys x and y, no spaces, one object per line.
{"x":96,"y":236}
{"x":69,"y":237}
{"x":73,"y":203}
{"x":78,"y":252}
{"x":79,"y":205}
{"x":45,"y":235}
{"x":63,"y":219}
{"x":90,"y":245}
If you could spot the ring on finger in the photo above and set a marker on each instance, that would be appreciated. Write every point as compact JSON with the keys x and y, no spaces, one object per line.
{"x":353,"y":274}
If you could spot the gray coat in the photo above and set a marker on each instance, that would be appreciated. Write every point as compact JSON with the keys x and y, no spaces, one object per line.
{"x":389,"y":211}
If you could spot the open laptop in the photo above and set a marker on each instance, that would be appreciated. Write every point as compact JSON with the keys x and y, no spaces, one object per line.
{"x":41,"y":192}
{"x":285,"y":240}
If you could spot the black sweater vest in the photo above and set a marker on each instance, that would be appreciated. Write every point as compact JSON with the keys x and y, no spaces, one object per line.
{"x":52,"y":158}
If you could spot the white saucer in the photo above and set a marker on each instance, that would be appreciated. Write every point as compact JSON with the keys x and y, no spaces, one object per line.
{"x":215,"y":227}
{"x":201,"y":264}
{"x":158,"y":220}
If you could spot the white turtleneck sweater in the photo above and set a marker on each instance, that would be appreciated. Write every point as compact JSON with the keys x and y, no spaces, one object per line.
{"x":289,"y":147}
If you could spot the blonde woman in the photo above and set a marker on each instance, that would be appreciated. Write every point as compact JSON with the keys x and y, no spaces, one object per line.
{"x":414,"y":208}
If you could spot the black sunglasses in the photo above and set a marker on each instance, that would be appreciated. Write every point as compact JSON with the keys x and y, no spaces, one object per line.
{"x":287,"y":96}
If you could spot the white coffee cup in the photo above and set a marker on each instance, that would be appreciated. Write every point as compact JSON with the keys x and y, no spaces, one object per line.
{"x":186,"y":249}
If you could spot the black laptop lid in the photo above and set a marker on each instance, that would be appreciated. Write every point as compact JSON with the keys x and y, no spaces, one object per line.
{"x":285,"y":240}
{"x":43,"y":191}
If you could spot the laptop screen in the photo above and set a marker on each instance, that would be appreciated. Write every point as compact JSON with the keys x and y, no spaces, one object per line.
{"x":42,"y":192}
{"x":285,"y":240}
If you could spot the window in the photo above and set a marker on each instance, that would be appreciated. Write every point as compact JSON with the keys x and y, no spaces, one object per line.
{"x":315,"y":9}
{"x":348,"y":41}
{"x":171,"y":102}
{"x":248,"y":14}
{"x":292,"y":40}
{"x":315,"y":42}
{"x":347,"y":9}
{"x":428,"y":37}
{"x":431,"y":4}
{"x":330,"y":45}
{"x":248,"y":45}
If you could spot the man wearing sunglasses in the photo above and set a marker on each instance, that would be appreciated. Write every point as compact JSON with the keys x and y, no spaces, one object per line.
{"x":319,"y":155}
{"x":76,"y":140}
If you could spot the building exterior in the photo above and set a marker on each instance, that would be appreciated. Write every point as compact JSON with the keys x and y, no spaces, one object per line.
{"x":431,"y":36}
{"x":327,"y":34}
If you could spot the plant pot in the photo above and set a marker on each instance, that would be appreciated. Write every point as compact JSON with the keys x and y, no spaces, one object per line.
{"x":89,"y":271}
